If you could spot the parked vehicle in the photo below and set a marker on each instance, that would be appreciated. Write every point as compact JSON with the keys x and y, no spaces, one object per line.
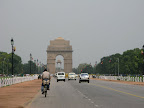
{"x":84,"y":77}
{"x":72,"y":76}
{"x":60,"y":76}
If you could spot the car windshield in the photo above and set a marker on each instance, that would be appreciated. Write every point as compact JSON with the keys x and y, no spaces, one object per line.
{"x":72,"y":74}
{"x":60,"y":73}
{"x":84,"y":74}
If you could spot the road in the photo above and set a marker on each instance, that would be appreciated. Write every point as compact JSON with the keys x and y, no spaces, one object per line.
{"x":96,"y":94}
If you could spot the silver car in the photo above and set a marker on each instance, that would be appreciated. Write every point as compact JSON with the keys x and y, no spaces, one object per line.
{"x":84,"y":77}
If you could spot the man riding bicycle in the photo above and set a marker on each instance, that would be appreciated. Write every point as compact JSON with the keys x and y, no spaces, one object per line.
{"x":46,"y":77}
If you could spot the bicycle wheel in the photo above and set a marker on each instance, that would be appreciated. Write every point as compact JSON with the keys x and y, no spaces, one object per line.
{"x":45,"y":93}
{"x":45,"y":90}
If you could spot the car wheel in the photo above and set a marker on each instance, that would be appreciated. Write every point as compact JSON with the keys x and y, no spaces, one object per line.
{"x":57,"y":80}
{"x":79,"y":81}
{"x":75,"y":79}
{"x":64,"y":80}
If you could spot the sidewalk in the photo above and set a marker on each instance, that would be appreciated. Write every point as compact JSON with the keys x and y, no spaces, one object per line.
{"x":16,"y":96}
{"x":126,"y":82}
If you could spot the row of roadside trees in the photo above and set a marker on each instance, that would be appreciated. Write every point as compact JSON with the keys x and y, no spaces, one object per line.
{"x":19,"y":68}
{"x":129,"y":63}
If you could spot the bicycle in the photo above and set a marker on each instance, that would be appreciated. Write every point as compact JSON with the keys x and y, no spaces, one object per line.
{"x":45,"y":89}
{"x":45,"y":83}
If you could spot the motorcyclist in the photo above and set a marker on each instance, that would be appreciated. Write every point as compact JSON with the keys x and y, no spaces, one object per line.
{"x":45,"y":76}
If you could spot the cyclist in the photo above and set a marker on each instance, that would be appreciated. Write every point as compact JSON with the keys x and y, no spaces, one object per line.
{"x":45,"y":76}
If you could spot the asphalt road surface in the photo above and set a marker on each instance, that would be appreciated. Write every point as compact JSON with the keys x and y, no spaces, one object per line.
{"x":96,"y":94}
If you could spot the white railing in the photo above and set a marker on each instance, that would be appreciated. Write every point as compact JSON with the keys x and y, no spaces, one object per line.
{"x":15,"y":80}
{"x":122,"y":78}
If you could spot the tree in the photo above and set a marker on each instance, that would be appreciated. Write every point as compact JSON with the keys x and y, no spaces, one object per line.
{"x":130,"y":62}
{"x":5,"y":63}
{"x":85,"y":68}
{"x":26,"y":68}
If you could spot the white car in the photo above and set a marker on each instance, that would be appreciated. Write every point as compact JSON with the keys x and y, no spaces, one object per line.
{"x":60,"y":76}
{"x":71,"y":76}
{"x":76,"y":75}
{"x":84,"y":77}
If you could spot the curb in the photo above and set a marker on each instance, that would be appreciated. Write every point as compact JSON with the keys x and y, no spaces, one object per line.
{"x":27,"y":104}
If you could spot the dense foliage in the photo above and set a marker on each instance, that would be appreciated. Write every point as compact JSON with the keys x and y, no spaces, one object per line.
{"x":130,"y":62}
{"x":34,"y":69}
{"x":5,"y":63}
{"x":19,"y":68}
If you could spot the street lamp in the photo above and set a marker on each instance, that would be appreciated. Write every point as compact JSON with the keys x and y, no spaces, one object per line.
{"x":118,"y":66}
{"x":12,"y":43}
{"x":30,"y":62}
{"x":40,"y":67}
{"x":37,"y":66}
{"x":143,"y":58}
{"x":7,"y":65}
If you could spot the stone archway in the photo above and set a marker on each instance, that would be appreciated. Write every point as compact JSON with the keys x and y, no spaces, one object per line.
{"x":61,"y":47}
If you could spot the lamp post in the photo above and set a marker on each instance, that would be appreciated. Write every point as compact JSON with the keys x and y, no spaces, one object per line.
{"x":143,"y":58}
{"x":95,"y":67}
{"x":30,"y":62}
{"x":110,"y":66}
{"x":37,"y":66}
{"x":40,"y":67}
{"x":118,"y":66}
{"x":7,"y":65}
{"x":3,"y":67}
{"x":12,"y":43}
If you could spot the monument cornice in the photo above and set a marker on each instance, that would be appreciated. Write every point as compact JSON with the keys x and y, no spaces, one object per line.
{"x":60,"y":51}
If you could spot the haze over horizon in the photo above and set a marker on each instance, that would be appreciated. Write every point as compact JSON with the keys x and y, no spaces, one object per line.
{"x":95,"y":28}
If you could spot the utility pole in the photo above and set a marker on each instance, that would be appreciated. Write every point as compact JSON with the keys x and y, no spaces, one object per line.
{"x":95,"y":66}
{"x":143,"y":58}
{"x":115,"y":69}
{"x":40,"y":67}
{"x":37,"y":66}
{"x":30,"y":62}
{"x":3,"y":66}
{"x":13,"y":49}
{"x":118,"y":66}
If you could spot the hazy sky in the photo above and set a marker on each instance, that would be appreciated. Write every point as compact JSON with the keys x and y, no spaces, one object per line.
{"x":95,"y":28}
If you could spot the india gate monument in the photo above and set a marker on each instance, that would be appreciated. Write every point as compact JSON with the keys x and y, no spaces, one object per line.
{"x":61,"y":47}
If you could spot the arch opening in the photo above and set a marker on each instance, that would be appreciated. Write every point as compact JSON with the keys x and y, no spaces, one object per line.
{"x":59,"y":63}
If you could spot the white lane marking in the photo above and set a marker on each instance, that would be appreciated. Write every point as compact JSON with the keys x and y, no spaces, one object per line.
{"x":96,"y":105}
{"x":79,"y":91}
{"x":86,"y":97}
{"x":92,"y":102}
